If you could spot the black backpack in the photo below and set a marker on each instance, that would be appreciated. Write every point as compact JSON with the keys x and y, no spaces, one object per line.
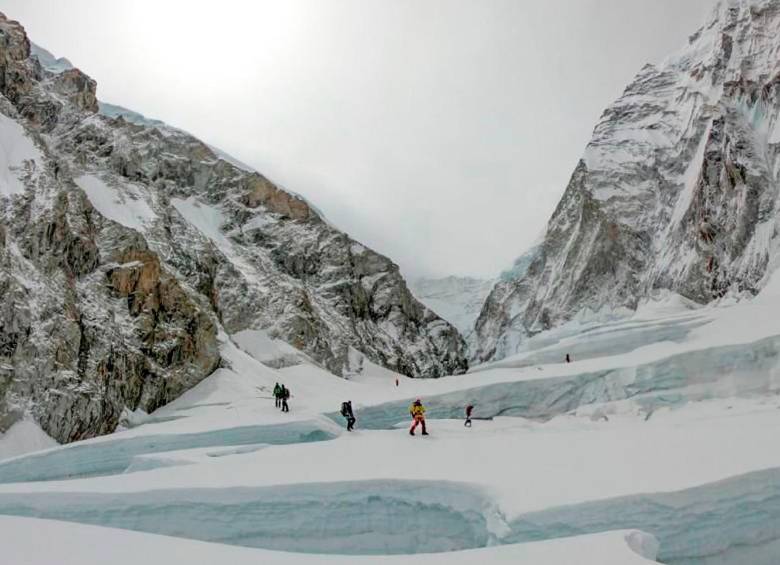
{"x":344,"y":409}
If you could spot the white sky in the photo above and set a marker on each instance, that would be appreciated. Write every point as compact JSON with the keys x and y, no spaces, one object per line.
{"x":439,"y":132}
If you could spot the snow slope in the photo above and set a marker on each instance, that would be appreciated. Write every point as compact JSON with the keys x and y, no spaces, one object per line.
{"x":456,"y":299}
{"x":19,"y":157}
{"x":23,"y":437}
{"x":124,"y":205}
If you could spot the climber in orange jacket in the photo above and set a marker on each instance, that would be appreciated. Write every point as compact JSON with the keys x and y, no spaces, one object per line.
{"x":417,"y":411}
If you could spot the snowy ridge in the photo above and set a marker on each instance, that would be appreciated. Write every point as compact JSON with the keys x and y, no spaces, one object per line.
{"x":48,"y":61}
{"x":114,"y":111}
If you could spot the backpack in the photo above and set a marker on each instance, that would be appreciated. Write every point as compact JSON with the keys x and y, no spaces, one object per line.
{"x":344,"y":409}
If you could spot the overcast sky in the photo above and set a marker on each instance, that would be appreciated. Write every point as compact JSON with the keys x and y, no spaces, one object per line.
{"x":440,"y":132}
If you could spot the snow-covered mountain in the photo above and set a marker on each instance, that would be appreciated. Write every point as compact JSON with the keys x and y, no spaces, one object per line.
{"x":458,"y":300}
{"x":677,"y":190}
{"x":129,"y":249}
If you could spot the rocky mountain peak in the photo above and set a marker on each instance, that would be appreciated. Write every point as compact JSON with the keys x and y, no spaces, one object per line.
{"x":14,"y":44}
{"x":130,"y":250}
{"x":676,"y":192}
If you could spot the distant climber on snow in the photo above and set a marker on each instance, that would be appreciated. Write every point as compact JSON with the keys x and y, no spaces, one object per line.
{"x":469,"y":410}
{"x":568,"y":358}
{"x":278,"y":395}
{"x":285,"y":395}
{"x":417,"y":411}
{"x":346,"y":411}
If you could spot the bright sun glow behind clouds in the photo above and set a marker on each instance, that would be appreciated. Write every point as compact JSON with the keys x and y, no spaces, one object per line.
{"x":224,"y":43}
{"x":439,"y":132}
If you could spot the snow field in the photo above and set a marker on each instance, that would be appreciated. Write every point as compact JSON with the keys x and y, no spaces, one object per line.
{"x":679,"y":444}
{"x":17,"y":153}
{"x":123,"y":205}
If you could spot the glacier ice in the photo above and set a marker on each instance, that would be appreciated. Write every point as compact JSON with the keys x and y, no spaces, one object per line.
{"x":600,"y":340}
{"x":715,"y":372}
{"x":116,"y":455}
{"x":370,"y":517}
{"x":720,"y":522}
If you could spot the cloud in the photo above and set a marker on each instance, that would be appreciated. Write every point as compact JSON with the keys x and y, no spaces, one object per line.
{"x":441,"y":133}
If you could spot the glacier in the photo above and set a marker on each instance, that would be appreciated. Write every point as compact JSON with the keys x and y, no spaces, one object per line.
{"x":558,"y":451}
{"x":614,"y":548}
{"x":373,"y":517}
{"x":712,"y":522}
{"x":117,"y":455}
{"x":729,"y":522}
{"x":718,"y":372}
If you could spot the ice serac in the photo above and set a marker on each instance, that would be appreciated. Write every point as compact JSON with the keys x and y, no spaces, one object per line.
{"x":127,"y":247}
{"x":677,"y":190}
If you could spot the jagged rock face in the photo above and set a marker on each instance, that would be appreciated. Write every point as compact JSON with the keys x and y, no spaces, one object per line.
{"x":126,"y":248}
{"x":677,"y":190}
